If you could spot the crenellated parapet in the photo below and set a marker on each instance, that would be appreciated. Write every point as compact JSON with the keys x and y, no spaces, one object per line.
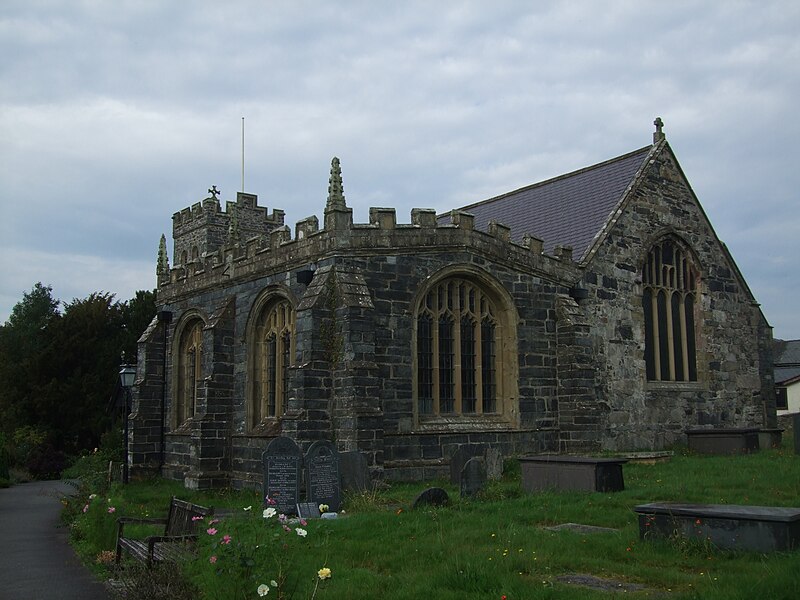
{"x":204,"y":228}
{"x":215,"y":247}
{"x":277,"y":251}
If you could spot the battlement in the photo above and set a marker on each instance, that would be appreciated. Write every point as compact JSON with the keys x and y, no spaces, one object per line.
{"x":204,"y":228}
{"x":244,"y":242}
{"x":277,"y":251}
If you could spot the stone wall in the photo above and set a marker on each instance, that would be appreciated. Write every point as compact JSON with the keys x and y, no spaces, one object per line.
{"x":573,"y":336}
{"x":733,"y":378}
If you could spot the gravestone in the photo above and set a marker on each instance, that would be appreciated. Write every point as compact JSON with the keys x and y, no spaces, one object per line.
{"x":431,"y":497}
{"x":473,"y":478}
{"x":282,"y":462}
{"x":460,"y":457}
{"x":493,"y":461}
{"x":354,"y":471}
{"x":308,"y":510}
{"x":322,"y":473}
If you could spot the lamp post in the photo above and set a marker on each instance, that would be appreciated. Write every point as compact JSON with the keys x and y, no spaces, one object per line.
{"x":127,"y":374}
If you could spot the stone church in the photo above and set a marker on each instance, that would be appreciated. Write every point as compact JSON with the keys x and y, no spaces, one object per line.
{"x":594,"y":311}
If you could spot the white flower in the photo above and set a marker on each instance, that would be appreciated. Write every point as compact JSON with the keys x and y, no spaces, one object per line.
{"x":269,"y":512}
{"x":263,"y":589}
{"x":323,"y":508}
{"x":301,"y":532}
{"x":92,"y":496}
{"x":273,"y":583}
{"x":248,"y":507}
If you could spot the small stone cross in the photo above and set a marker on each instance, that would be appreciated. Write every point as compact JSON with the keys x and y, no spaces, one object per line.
{"x":213,"y":191}
{"x":658,"y":135}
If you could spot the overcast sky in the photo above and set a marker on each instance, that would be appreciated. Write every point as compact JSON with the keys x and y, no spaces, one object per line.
{"x":116,"y":114}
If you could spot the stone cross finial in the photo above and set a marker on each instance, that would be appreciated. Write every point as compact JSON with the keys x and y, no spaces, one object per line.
{"x":659,"y":134}
{"x":162,"y":266}
{"x":213,"y":191}
{"x":335,"y":187}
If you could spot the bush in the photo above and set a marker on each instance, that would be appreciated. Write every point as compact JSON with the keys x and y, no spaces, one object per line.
{"x":45,"y":462}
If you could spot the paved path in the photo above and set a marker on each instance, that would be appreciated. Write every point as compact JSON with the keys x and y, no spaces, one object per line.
{"x":36,"y":560}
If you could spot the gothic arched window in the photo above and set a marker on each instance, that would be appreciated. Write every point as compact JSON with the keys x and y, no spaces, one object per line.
{"x":668,"y":299}
{"x":189,"y":370}
{"x":460,"y":368}
{"x":273,"y":352}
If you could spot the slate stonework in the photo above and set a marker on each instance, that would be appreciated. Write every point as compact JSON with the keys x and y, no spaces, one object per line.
{"x":577,"y":355}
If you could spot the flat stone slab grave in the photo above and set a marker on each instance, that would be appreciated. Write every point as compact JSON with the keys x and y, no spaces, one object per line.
{"x":573,"y":473}
{"x":723,"y":441}
{"x":728,"y":526}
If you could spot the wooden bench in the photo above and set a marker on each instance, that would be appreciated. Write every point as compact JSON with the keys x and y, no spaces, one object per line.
{"x":179,"y":531}
{"x":759,"y":528}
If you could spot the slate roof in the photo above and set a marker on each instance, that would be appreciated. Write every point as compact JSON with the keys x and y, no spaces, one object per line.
{"x":569,"y":210}
{"x":787,"y":360}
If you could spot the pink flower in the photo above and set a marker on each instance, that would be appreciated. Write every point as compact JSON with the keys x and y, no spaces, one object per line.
{"x":303,"y":522}
{"x":270,"y":501}
{"x":211,"y":531}
{"x":86,"y":508}
{"x":212,"y":560}
{"x":111,"y":510}
{"x":226,"y":539}
{"x":287,"y":528}
{"x":212,"y":521}
{"x":197,"y":518}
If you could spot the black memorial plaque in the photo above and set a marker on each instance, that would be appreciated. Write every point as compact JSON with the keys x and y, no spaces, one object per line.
{"x":282,"y":463}
{"x":324,"y":484}
{"x":308,"y":510}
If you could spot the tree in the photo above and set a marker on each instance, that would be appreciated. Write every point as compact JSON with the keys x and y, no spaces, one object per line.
{"x":23,"y":342}
{"x":59,"y":370}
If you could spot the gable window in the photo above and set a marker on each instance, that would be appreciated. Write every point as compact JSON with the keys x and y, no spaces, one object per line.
{"x":458,"y":366}
{"x":668,"y":299}
{"x":273,"y":344}
{"x":189,"y":371}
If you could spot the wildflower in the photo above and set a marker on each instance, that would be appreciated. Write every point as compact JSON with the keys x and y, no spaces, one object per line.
{"x":92,"y":496}
{"x":270,"y":501}
{"x":323,"y":508}
{"x":399,"y":510}
{"x":248,"y":507}
{"x":105,"y":557}
{"x":211,"y":531}
{"x":287,"y":528}
{"x":212,"y":560}
{"x":263,"y":589}
{"x":269,"y":513}
{"x":86,"y":508}
{"x":212,"y":521}
{"x":226,"y":539}
{"x":273,"y":583}
{"x":197,"y":518}
{"x":324,"y":573}
{"x":303,"y":522}
{"x":282,"y":517}
{"x":111,"y":510}
{"x":301,"y":532}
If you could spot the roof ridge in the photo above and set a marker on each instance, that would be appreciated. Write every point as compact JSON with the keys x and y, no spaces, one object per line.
{"x":557,"y":178}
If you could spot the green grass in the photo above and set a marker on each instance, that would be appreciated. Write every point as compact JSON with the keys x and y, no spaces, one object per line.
{"x":484,"y":548}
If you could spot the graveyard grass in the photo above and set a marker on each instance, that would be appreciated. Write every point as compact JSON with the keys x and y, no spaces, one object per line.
{"x":492,"y":546}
